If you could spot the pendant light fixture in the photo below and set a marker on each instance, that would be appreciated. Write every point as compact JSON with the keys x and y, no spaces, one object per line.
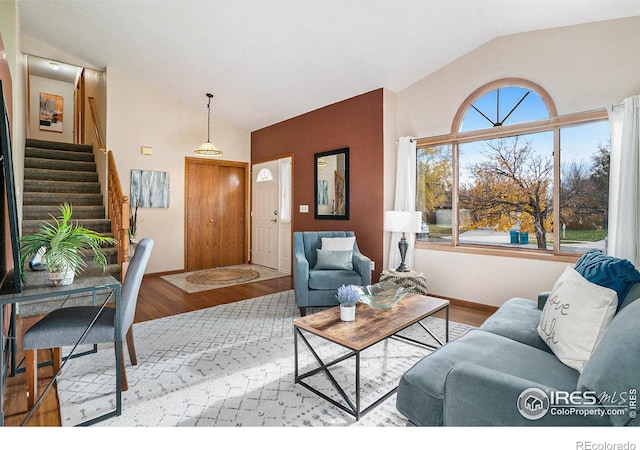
{"x":208,"y":149}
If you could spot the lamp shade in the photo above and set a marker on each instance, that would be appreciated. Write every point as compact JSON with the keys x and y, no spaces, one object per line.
{"x":403,"y":221}
{"x":208,"y":149}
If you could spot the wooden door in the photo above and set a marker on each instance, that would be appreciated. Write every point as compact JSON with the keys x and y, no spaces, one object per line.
{"x":215,"y":213}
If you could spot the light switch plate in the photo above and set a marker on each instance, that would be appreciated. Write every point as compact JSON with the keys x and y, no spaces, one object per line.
{"x":147,"y":150}
{"x":304,"y":208}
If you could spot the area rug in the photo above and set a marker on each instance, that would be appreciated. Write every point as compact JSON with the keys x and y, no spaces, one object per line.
{"x":204,"y":280}
{"x":233,"y":365}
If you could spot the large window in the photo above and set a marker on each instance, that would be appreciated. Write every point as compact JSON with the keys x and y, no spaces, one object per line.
{"x":513,"y":175}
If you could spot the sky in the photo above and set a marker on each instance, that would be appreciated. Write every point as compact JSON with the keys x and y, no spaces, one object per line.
{"x":577,"y":143}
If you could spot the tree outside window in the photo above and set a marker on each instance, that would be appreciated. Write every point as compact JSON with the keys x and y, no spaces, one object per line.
{"x":506,"y":185}
{"x":434,"y":175}
{"x":510,"y":186}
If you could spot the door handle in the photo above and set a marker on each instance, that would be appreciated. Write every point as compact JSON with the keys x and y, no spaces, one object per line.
{"x":274,"y":220}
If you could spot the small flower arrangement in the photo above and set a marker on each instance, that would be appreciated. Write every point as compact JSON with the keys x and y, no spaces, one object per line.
{"x":348,"y":295}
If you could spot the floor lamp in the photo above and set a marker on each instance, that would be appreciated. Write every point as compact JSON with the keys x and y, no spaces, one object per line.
{"x":403,"y":222}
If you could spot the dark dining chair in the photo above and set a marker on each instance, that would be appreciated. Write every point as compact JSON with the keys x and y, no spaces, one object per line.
{"x":65,"y":326}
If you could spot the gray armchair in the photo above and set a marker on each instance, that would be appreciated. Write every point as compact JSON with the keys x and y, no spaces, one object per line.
{"x":318,"y":287}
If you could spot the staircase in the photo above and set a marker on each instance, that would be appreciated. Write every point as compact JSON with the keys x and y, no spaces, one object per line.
{"x":55,"y":173}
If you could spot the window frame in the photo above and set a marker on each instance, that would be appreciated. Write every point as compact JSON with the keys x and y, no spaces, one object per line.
{"x":554,"y":123}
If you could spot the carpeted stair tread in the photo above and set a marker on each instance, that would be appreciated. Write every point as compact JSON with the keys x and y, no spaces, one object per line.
{"x":60,"y":175}
{"x":64,"y":155}
{"x":62,"y":186}
{"x":110,"y":252}
{"x":48,"y":198}
{"x":38,"y":212}
{"x":80,"y":148}
{"x":99,"y":225}
{"x":54,"y":164}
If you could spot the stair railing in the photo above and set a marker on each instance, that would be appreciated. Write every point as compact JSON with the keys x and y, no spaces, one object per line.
{"x":118,"y":205}
{"x":96,"y":128}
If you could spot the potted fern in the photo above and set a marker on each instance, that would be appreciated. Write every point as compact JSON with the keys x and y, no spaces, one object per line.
{"x":61,"y":245}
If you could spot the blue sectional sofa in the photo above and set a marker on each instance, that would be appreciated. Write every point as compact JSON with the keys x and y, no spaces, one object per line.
{"x":502,"y":373}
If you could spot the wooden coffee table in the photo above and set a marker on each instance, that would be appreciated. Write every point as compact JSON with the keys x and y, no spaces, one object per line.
{"x":370,"y":327}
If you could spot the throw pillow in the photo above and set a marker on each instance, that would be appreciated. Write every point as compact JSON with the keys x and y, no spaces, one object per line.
{"x":608,"y":271}
{"x":334,"y":260}
{"x":338,"y":243}
{"x":575,"y":317}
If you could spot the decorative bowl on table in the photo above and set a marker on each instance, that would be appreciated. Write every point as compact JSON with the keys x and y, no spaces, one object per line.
{"x":383,"y":295}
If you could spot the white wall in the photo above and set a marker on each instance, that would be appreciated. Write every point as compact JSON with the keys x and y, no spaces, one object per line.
{"x":40,"y":85}
{"x":582,"y":67}
{"x":137,"y":116}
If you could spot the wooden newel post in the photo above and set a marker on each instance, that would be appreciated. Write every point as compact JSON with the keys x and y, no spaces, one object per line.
{"x":124,"y":237}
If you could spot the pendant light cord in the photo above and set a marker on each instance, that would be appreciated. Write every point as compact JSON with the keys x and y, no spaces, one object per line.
{"x":209,"y":116}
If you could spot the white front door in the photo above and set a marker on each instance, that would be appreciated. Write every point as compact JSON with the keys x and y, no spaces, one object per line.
{"x":265,"y":214}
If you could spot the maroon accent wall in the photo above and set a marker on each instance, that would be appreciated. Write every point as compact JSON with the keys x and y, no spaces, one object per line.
{"x":356,"y":123}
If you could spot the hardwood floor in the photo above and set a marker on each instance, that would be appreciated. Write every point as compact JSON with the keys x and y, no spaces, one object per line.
{"x":157,"y":299}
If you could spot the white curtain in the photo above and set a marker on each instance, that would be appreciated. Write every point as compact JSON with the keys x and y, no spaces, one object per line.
{"x":624,"y":181}
{"x":405,"y":197}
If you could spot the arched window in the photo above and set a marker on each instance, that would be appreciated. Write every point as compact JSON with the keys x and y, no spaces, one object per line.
{"x":499,"y":179}
{"x":507,"y":101}
{"x":264,"y":175}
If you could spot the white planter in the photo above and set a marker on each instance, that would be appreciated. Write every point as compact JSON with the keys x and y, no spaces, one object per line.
{"x":61,"y":278}
{"x":347,"y":313}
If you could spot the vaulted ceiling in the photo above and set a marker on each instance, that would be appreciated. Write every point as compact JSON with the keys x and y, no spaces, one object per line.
{"x":267,"y":61}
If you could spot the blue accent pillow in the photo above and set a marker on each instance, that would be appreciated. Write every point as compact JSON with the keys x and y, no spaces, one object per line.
{"x":608,"y":271}
{"x":334,"y":260}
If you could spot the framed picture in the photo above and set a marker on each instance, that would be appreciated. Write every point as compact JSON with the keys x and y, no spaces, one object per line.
{"x":51,"y":112}
{"x":149,"y":189}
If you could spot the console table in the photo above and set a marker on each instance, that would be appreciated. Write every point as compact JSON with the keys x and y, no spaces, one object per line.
{"x":413,"y":279}
{"x":37,"y":288}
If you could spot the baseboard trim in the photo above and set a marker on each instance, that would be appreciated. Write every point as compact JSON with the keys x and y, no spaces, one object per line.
{"x":161,"y":274}
{"x":467,"y":304}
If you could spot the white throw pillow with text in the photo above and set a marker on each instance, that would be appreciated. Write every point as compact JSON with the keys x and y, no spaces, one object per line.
{"x":575,"y":317}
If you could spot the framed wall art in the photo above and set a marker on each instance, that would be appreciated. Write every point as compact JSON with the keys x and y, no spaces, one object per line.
{"x":51,"y":112}
{"x":149,"y":189}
